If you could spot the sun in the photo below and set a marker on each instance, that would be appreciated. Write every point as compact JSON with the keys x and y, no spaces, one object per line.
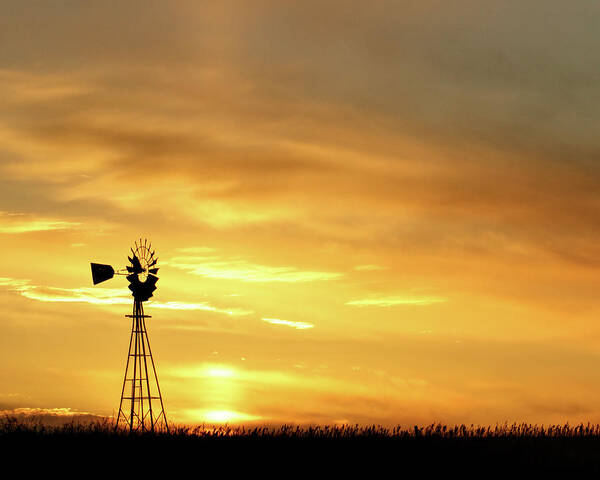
{"x":221,"y":416}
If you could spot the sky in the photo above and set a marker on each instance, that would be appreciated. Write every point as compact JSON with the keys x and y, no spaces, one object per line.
{"x":364,"y":212}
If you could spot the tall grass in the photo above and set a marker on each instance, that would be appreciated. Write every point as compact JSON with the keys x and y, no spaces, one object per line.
{"x":517,"y":447}
{"x":10,"y":426}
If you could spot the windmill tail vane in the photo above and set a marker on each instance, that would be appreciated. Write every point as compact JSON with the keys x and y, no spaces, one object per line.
{"x":141,"y":407}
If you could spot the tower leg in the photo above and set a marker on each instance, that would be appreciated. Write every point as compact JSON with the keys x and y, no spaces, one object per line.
{"x":121,"y":417}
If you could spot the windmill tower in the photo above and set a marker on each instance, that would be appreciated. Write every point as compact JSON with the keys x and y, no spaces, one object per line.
{"x":141,"y":407}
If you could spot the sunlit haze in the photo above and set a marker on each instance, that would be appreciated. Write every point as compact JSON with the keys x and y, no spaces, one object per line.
{"x":364,"y":212}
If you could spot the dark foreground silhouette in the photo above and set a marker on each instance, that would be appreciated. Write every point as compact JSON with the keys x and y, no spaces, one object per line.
{"x":514,"y":449}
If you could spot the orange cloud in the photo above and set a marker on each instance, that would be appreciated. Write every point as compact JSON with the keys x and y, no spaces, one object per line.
{"x":289,"y":323}
{"x":446,"y":150}
{"x":237,"y":269}
{"x":103,"y":296}
{"x":15,"y":223}
{"x":393,"y":301}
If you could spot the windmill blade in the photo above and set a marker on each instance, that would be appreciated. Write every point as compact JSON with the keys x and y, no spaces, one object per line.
{"x":153,"y":270}
{"x":142,"y":291}
{"x":151,"y":264}
{"x":137,"y":267}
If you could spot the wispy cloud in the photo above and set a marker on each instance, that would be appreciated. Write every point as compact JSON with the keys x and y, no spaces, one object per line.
{"x":234,"y":269}
{"x":369,"y":268}
{"x":196,"y":250}
{"x":50,"y":416}
{"x":288,"y":323}
{"x":103,"y":296}
{"x":394,"y":301}
{"x":200,"y":306}
{"x":57,"y":412}
{"x":13,"y":283}
{"x":21,"y":223}
{"x":25,"y":88}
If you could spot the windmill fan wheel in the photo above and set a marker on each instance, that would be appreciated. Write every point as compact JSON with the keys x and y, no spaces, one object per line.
{"x":142,"y":270}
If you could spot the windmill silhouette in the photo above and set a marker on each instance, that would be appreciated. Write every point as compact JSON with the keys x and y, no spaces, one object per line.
{"x":141,"y":407}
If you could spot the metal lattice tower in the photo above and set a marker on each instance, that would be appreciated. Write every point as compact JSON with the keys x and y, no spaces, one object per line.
{"x":141,"y":407}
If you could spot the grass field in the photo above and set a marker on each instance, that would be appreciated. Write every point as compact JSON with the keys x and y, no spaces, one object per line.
{"x":513,"y":448}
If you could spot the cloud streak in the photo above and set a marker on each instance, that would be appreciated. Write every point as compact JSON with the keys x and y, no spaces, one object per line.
{"x":289,"y":323}
{"x":226,"y":269}
{"x":15,"y":223}
{"x":34,"y":412}
{"x":104,"y":296}
{"x":200,"y":306}
{"x":395,"y":301}
{"x":369,"y":268}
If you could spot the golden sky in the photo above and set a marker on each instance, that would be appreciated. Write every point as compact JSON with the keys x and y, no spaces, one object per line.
{"x":373,"y":212}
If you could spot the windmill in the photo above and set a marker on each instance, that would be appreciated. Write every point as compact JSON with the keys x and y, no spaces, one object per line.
{"x":141,"y":406}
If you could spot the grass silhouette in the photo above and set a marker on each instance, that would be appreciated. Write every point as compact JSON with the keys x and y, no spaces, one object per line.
{"x":522,"y":448}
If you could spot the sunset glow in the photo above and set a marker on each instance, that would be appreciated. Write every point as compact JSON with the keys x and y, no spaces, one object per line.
{"x":364,"y":212}
{"x":221,"y":416}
